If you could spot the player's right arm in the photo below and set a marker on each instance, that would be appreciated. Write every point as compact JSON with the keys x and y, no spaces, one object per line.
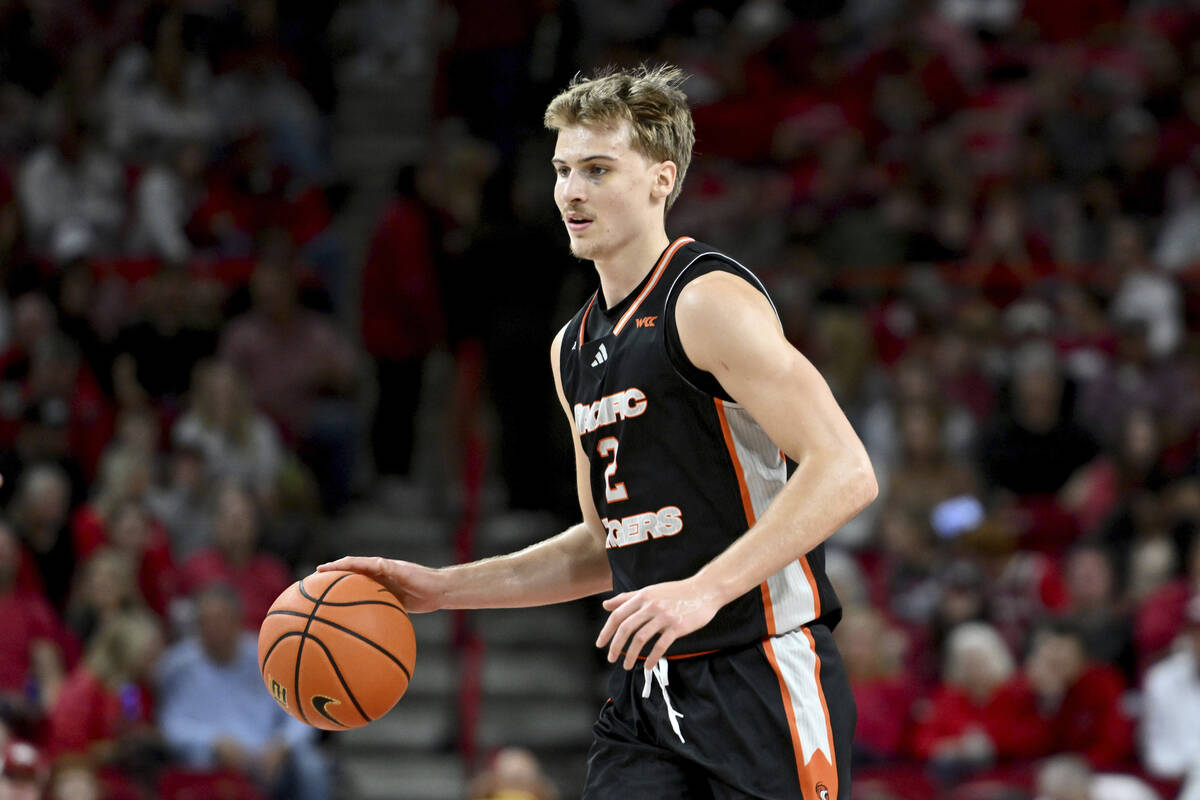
{"x":568,"y":566}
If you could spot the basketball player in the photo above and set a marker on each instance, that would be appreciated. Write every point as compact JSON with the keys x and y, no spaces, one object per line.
{"x":684,"y":397}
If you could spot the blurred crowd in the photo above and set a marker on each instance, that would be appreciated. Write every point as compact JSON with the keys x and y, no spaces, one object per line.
{"x":979,"y":218}
{"x":179,"y":408}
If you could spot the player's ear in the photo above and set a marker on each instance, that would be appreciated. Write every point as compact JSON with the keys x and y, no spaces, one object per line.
{"x":663,"y":179}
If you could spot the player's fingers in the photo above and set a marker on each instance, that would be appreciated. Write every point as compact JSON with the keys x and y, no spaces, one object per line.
{"x":372,"y":566}
{"x":621,"y":635}
{"x":615,"y":601}
{"x":665,"y":640}
{"x":618,"y":615}
{"x":652,"y":628}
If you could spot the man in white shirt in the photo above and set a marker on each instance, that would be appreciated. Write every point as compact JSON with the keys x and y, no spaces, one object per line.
{"x":1170,"y":735}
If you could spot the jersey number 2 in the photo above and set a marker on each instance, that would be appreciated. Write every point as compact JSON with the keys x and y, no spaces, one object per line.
{"x":613,"y":492}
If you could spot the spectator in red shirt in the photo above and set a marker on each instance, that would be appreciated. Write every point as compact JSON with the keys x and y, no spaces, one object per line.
{"x":105,"y":700}
{"x":1077,"y":701}
{"x":118,"y":518}
{"x":971,"y":722}
{"x":235,"y":559}
{"x":1160,"y":616}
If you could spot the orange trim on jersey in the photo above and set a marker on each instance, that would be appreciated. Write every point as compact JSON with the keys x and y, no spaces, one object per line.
{"x":812,"y":584}
{"x":679,"y":656}
{"x":658,"y":271}
{"x":832,"y":778}
{"x":586,"y":311}
{"x":768,"y":607}
{"x":747,"y":506}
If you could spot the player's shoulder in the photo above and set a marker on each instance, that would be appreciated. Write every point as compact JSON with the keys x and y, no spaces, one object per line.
{"x":713,"y":288}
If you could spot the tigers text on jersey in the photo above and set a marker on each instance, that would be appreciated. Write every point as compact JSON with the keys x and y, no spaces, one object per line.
{"x":678,"y":470}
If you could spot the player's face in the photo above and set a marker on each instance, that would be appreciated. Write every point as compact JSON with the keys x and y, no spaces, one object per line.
{"x":607,"y":193}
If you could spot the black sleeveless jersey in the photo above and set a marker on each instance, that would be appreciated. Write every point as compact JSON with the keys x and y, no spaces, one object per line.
{"x":679,"y":470}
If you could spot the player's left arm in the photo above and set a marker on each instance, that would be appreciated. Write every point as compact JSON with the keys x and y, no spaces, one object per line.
{"x":729,"y":329}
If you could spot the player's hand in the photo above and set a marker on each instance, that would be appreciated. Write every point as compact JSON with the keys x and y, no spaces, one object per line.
{"x":419,"y":588}
{"x":664,"y":610}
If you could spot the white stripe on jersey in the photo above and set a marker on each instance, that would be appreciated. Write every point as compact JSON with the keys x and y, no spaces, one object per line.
{"x":797,"y":662}
{"x":791,"y":595}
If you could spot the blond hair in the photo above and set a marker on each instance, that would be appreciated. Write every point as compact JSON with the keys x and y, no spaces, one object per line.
{"x":649,"y":99}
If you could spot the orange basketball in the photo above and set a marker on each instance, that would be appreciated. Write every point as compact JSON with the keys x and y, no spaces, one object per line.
{"x":336,"y":650}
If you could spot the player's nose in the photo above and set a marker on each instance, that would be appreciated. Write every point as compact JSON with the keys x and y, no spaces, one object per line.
{"x":574,"y":188}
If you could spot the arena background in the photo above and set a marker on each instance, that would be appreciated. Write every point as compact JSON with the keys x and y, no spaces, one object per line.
{"x":278,"y":283}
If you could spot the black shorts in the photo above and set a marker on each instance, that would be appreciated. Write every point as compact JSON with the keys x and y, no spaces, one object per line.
{"x":771,"y":720}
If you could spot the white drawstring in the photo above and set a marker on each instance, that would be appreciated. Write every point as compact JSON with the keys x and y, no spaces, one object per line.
{"x":659,"y":671}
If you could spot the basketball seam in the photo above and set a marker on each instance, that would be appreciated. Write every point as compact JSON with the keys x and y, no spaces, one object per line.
{"x":341,"y":679}
{"x":346,"y":603}
{"x":355,"y":634}
{"x":332,"y":663}
{"x":300,"y":650}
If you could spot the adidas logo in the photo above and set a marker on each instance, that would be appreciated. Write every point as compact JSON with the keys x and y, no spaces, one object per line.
{"x":601,"y":356}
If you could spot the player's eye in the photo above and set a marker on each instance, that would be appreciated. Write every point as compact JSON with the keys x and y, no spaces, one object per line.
{"x":562,"y":171}
{"x":597,"y":171}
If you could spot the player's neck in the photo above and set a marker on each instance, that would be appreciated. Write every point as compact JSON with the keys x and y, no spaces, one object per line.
{"x":621,"y":271}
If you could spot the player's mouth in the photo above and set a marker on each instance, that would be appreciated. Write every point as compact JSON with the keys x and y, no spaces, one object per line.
{"x":577,"y":222}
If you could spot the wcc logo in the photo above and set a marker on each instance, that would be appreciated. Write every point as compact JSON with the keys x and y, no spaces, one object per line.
{"x":822,"y":791}
{"x":279,"y":692}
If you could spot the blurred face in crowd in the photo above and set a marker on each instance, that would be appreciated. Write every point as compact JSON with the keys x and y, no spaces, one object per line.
{"x":978,"y":671}
{"x":33,"y":319}
{"x":919,"y":430}
{"x":1064,"y":778}
{"x":861,"y":638}
{"x":1061,"y":655}
{"x":609,"y":195}
{"x":130,"y":530}
{"x":1090,"y":579}
{"x":75,"y":783}
{"x":187,"y":470}
{"x":108,"y":582}
{"x":46,"y":501}
{"x":218,"y":624}
{"x":274,"y":291}
{"x":236,"y":531}
{"x":1140,"y":439}
{"x":223,"y":393}
{"x":1038,"y":393}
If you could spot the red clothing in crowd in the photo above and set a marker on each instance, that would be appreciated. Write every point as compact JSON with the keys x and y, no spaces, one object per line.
{"x":883,"y":718}
{"x":1010,"y":722}
{"x":1089,"y":721}
{"x":158,"y":579}
{"x":87,"y":712}
{"x":258,"y":582}
{"x":26,"y":618}
{"x":1159,"y":619}
{"x":401,"y":304}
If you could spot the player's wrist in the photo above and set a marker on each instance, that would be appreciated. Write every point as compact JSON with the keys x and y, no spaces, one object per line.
{"x":714,"y":587}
